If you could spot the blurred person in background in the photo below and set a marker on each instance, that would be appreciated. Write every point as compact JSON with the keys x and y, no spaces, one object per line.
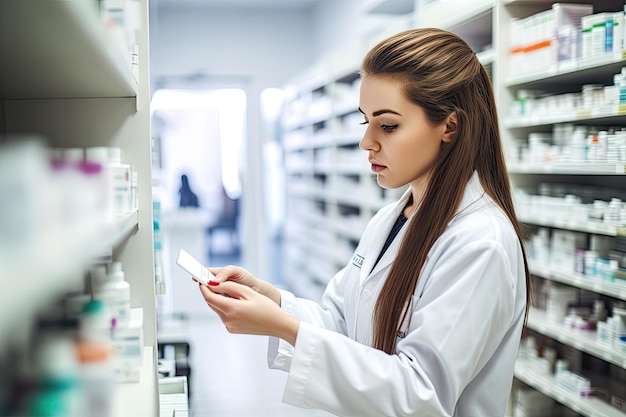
{"x":187,"y":197}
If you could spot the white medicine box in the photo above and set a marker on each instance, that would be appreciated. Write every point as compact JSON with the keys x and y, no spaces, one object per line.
{"x":563,"y":248}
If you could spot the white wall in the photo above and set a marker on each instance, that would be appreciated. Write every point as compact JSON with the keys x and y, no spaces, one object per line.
{"x":266,"y":46}
{"x":342,"y":25}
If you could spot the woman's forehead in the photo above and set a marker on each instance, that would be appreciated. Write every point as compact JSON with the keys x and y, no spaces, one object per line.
{"x":381,"y":93}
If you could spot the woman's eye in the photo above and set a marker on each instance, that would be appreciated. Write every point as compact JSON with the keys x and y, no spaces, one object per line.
{"x":364,"y":122}
{"x":388,"y":128}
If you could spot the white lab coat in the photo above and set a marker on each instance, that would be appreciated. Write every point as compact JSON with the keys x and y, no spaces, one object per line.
{"x":461,"y":341}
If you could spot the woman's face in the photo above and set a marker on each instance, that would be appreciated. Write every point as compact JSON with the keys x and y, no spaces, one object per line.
{"x":402,"y":144}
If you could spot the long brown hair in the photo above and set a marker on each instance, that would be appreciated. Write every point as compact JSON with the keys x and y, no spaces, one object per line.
{"x":439,"y":72}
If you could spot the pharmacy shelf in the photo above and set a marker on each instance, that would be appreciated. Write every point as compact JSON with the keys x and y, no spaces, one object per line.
{"x":76,"y":56}
{"x":350,"y":230}
{"x":65,"y":76}
{"x":612,"y":289}
{"x":174,"y":396}
{"x":584,"y":340}
{"x":398,"y":7}
{"x":582,"y":116}
{"x":585,"y":168}
{"x":59,"y":258}
{"x":487,"y":56}
{"x":596,"y":68}
{"x":139,"y":398}
{"x":312,"y":142}
{"x":559,"y":79}
{"x":472,"y":20}
{"x":349,"y":199}
{"x":348,"y":138}
{"x":448,"y":14}
{"x":358,"y":168}
{"x":293,"y":169}
{"x":590,"y":407}
{"x":593,"y":227}
{"x":345,"y":108}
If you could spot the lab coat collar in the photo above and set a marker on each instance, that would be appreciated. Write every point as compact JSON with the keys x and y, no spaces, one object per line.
{"x":379,"y":236}
{"x":473,"y":197}
{"x":470,"y":202}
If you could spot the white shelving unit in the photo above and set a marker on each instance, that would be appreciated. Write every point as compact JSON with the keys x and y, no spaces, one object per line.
{"x":137,"y":399}
{"x":57,"y":264}
{"x":529,"y":176}
{"x":586,"y":341}
{"x":397,"y":7}
{"x":590,"y":407}
{"x":593,"y":227}
{"x":321,"y":212}
{"x":331,"y":194}
{"x":569,"y":168}
{"x":64,"y":77}
{"x":573,"y":279}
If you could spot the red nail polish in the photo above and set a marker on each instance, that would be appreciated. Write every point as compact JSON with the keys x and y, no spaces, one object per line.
{"x":214,"y":283}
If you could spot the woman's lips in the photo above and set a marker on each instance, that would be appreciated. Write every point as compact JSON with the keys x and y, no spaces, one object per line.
{"x":377,"y":168}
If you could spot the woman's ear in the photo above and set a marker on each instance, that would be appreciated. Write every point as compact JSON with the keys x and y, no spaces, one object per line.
{"x":450,"y":132}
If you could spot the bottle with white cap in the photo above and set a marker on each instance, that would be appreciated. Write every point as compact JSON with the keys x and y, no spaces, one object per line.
{"x":114,"y":292}
{"x":117,"y":178}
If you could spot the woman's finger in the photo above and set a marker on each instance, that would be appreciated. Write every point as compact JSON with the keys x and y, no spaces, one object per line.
{"x":226,"y":273}
{"x":214,"y":300}
{"x":231,"y":289}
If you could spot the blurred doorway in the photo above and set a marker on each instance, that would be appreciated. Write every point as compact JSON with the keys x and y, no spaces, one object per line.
{"x":199,"y":136}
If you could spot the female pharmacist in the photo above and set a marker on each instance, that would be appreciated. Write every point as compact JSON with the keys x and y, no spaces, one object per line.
{"x":426,"y":318}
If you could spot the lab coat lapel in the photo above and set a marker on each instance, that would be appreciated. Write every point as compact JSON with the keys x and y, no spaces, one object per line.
{"x":392,"y":250}
{"x":472,"y":195}
{"x":378,"y":238}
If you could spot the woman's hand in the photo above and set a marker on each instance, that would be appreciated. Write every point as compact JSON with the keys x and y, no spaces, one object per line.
{"x":248,"y":312}
{"x":243,"y":277}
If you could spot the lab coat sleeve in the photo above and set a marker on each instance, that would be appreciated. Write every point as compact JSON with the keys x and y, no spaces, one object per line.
{"x":456,"y":325}
{"x":328,"y":315}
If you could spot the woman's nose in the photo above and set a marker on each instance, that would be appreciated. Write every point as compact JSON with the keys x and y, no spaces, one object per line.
{"x":367,"y":142}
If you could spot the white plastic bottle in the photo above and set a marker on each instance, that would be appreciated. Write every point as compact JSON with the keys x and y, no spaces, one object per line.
{"x":122,"y":177}
{"x":114,"y":292}
{"x":578,"y":144}
{"x":98,"y":277}
{"x":613,"y":212}
{"x":117,"y":179}
{"x":57,"y":378}
{"x":95,"y":352}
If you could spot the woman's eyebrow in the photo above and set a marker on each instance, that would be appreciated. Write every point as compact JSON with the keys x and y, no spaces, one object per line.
{"x":383,"y":111}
